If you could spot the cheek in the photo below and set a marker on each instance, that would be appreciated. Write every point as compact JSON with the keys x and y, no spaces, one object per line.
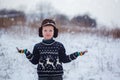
{"x":53,"y":32}
{"x":43,"y":32}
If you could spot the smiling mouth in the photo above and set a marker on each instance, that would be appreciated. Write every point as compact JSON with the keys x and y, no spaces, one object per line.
{"x":47,"y":35}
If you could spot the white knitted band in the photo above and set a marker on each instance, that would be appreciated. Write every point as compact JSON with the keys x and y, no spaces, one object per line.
{"x":49,"y":24}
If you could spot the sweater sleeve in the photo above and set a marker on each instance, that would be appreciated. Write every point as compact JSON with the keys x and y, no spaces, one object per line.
{"x":33,"y":57}
{"x":66,"y":58}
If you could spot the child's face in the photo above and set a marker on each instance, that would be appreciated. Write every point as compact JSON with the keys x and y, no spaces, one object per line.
{"x":48,"y":32}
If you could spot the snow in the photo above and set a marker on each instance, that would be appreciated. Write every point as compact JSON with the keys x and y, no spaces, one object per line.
{"x":102,"y":62}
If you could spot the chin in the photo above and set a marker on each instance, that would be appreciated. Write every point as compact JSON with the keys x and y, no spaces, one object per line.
{"x":47,"y":38}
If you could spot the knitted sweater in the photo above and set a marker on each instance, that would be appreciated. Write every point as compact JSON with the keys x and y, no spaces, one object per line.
{"x":49,"y":55}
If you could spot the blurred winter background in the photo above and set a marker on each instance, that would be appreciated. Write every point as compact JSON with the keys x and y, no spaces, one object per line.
{"x":92,"y":25}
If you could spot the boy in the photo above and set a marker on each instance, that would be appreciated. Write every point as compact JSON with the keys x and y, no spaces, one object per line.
{"x":49,"y":54}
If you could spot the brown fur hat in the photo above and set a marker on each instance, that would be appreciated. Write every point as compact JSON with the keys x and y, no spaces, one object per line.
{"x":48,"y":22}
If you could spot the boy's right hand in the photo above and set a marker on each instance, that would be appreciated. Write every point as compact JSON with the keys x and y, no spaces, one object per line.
{"x":21,"y":50}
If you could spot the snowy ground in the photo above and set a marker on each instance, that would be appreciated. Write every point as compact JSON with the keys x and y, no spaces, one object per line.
{"x":102,"y":62}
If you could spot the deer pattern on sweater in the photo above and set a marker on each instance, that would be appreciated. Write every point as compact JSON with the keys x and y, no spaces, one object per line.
{"x":50,"y":63}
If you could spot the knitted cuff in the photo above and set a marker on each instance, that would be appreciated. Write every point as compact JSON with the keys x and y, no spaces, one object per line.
{"x":25,"y":50}
{"x":80,"y":53}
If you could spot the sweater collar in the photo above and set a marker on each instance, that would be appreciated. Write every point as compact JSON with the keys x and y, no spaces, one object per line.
{"x":49,"y":41}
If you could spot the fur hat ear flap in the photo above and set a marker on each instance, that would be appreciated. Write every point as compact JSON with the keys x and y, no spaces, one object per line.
{"x":40,"y":32}
{"x":55,"y":32}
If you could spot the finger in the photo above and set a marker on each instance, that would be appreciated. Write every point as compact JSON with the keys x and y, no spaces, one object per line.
{"x":85,"y":51}
{"x":20,"y":51}
{"x":17,"y":48}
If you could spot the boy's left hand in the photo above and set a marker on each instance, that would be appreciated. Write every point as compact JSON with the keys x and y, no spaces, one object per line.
{"x":83,"y":52}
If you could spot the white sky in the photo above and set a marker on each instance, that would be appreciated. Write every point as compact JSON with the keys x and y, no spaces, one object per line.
{"x":105,"y":11}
